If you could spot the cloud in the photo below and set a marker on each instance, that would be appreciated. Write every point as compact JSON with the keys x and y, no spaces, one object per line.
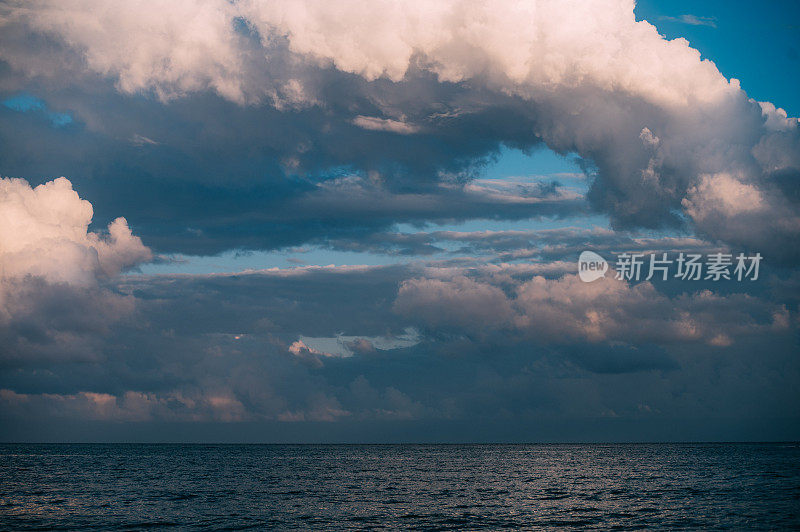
{"x":229,"y":191}
{"x":130,"y":406}
{"x":459,"y":302}
{"x":385,"y":124}
{"x":494,"y":341}
{"x":53,"y":273}
{"x":352,"y":207}
{"x":191,"y":48}
{"x":44,"y":232}
{"x":347,"y":346}
{"x":57,"y":322}
{"x":312,"y":356}
{"x":693,"y":20}
{"x":567,"y":310}
{"x":319,"y":74}
{"x":548,"y":246}
{"x":258,"y":125}
{"x":734,"y":210}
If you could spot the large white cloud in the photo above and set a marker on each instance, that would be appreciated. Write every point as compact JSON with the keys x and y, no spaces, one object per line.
{"x":54,"y":303}
{"x":528,"y":48}
{"x":663,"y":127}
{"x":169,"y":47}
{"x":44,"y":232}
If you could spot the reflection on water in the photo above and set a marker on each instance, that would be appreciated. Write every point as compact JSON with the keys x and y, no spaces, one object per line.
{"x":407,"y":486}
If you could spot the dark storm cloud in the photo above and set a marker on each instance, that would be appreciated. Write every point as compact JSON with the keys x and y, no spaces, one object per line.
{"x":202,"y":175}
{"x":219,"y":348}
{"x":56,"y":322}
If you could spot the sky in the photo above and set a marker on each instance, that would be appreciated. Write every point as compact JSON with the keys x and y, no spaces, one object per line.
{"x":363,"y":221}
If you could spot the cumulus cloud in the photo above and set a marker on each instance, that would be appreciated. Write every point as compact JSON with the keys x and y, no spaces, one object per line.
{"x":190,"y":47}
{"x":735,"y":210}
{"x":44,"y":233}
{"x":53,"y":302}
{"x":170,"y":48}
{"x":459,"y":302}
{"x":568,"y":310}
{"x":650,"y":116}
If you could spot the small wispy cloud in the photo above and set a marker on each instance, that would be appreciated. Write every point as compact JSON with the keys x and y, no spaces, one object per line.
{"x":693,"y":20}
{"x":141,"y":140}
{"x":382,"y":124}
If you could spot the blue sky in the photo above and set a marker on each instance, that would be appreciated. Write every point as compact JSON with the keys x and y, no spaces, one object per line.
{"x":759,"y":44}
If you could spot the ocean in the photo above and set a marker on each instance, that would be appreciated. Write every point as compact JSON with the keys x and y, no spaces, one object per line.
{"x":429,"y":487}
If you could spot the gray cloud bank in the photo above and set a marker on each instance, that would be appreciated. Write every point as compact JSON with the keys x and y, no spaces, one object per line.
{"x":513,"y":342}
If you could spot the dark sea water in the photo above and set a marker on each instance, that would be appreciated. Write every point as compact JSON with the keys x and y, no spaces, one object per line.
{"x":668,"y":486}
